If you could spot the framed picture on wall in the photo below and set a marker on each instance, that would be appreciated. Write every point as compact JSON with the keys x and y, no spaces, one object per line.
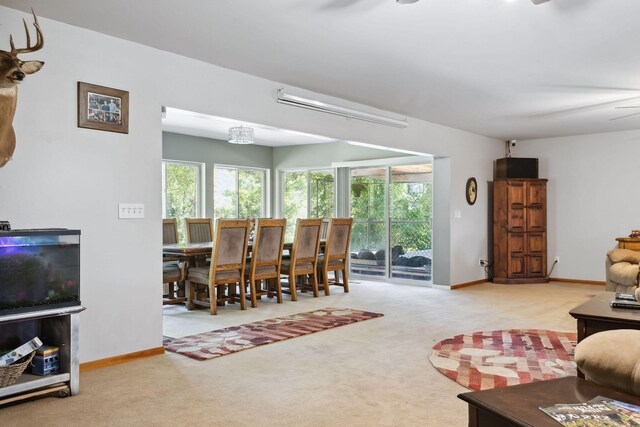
{"x":103,"y":108}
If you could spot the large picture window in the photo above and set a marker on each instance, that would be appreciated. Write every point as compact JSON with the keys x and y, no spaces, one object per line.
{"x":307,"y":194}
{"x":239,"y":192}
{"x":181,"y":192}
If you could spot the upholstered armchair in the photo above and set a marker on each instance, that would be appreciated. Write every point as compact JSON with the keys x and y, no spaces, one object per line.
{"x":622,"y":269}
{"x":611,"y":358}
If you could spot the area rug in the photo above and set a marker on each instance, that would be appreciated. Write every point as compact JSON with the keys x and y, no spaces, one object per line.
{"x":491,"y":359}
{"x":209,"y":345}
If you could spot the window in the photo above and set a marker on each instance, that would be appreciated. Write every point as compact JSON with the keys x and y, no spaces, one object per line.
{"x":307,"y":194}
{"x":181,"y":192}
{"x":239,"y":192}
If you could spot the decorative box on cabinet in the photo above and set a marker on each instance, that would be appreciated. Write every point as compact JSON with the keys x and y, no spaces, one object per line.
{"x":520,"y":231}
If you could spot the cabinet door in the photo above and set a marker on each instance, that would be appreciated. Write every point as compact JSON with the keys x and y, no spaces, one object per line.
{"x":536,"y":213}
{"x":516,"y":200}
{"x":517,"y":266}
{"x":536,"y":250}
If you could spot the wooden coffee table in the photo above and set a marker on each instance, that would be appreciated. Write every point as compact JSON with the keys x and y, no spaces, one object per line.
{"x":519,"y":405}
{"x":596,"y":315}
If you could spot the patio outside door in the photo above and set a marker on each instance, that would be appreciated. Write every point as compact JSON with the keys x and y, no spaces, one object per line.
{"x":391,"y":208}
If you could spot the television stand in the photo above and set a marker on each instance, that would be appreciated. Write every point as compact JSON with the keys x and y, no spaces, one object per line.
{"x":58,"y":327}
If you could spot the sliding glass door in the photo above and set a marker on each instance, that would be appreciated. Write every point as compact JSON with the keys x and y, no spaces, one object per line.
{"x":368,"y":209}
{"x":410,"y":204}
{"x":391,"y":208}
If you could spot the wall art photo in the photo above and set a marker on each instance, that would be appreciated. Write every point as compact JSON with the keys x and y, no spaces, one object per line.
{"x":103,"y":108}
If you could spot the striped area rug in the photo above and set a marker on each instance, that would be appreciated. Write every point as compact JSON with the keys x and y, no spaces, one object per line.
{"x":209,"y":345}
{"x":491,"y":359}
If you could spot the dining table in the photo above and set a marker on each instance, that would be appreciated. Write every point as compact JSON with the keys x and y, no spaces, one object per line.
{"x":204,"y":248}
{"x":194,"y":254}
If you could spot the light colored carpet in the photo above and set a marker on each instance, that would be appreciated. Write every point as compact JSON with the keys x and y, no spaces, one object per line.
{"x":370,"y":373}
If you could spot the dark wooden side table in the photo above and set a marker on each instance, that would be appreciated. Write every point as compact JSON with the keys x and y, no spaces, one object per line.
{"x":596,"y":315}
{"x":632,"y":243}
{"x":519,"y":405}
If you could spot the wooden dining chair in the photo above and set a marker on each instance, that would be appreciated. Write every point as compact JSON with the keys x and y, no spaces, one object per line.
{"x":169,"y":231}
{"x":173,"y":280}
{"x":304,"y":257}
{"x":199,"y":230}
{"x":266,"y":258}
{"x":228,"y":262}
{"x":336,"y":254}
{"x":325,"y":228}
{"x":172,"y":269}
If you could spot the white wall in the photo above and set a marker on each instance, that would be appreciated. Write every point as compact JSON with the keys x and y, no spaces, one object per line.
{"x":593,"y":197}
{"x":65,"y":176}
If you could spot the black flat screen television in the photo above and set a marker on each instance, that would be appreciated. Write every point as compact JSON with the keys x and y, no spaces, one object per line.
{"x":39,"y":269}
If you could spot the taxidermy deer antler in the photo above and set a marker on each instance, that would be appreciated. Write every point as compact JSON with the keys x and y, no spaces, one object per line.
{"x":12,"y":72}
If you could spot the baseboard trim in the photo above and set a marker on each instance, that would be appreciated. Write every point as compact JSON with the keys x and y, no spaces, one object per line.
{"x":123,"y":358}
{"x":467,"y":284}
{"x":581,"y":282}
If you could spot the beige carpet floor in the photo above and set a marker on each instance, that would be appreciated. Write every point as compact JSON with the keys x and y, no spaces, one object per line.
{"x":373,"y":373}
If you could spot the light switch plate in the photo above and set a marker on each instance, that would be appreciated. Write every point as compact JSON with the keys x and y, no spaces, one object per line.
{"x":130,"y":210}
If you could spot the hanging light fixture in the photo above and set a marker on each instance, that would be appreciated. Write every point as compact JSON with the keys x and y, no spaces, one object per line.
{"x":241,"y":135}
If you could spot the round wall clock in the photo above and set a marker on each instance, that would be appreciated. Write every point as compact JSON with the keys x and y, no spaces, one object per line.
{"x":471,"y":190}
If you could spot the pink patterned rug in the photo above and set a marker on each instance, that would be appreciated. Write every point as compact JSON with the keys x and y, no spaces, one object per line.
{"x":492,"y":359}
{"x":209,"y":345}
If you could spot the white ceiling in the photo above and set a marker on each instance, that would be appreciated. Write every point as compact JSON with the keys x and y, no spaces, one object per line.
{"x":206,"y":126}
{"x":501,"y":68}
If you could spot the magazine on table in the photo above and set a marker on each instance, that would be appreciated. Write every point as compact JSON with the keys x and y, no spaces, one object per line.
{"x":625,"y":297}
{"x":617,"y":303}
{"x":625,"y":301}
{"x":632,"y":411}
{"x":598,"y":412}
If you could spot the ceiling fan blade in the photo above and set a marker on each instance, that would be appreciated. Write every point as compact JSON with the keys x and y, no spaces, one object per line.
{"x":631,"y":106}
{"x":622,"y":117}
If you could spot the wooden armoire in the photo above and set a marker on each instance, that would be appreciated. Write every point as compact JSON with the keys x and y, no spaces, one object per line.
{"x":520,"y":230}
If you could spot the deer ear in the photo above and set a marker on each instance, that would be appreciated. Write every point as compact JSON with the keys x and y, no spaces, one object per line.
{"x":30,"y":67}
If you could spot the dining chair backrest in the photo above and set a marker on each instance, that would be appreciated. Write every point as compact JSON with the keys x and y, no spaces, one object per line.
{"x":199,"y":230}
{"x":306,"y":242}
{"x":230,"y":247}
{"x":325,"y":228}
{"x":338,"y":237}
{"x":268,"y":242}
{"x":169,"y":231}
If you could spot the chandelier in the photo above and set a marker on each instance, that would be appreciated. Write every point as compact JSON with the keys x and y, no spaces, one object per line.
{"x":241,"y":135}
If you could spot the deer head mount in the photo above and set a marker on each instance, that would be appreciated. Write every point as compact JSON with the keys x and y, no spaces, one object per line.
{"x":12,"y":71}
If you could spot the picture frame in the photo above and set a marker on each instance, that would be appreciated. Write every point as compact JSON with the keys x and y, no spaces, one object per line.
{"x":103,"y":108}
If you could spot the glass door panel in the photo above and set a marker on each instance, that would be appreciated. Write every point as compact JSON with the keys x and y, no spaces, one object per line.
{"x":410,"y":206}
{"x":368,"y":209}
